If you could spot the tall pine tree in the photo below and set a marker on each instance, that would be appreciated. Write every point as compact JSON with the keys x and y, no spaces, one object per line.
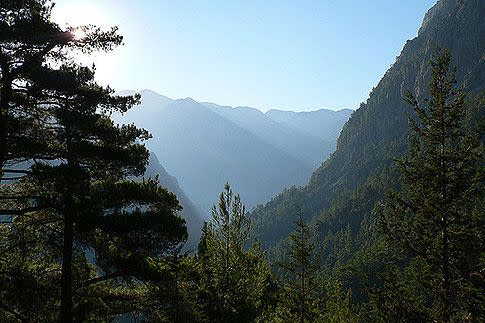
{"x":234,"y":280}
{"x":437,"y":220}
{"x":29,"y":42}
{"x":302,"y":297}
{"x":56,"y":131}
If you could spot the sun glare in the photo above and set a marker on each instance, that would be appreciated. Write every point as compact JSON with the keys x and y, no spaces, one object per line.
{"x":79,"y":34}
{"x":78,"y":14}
{"x":75,"y":14}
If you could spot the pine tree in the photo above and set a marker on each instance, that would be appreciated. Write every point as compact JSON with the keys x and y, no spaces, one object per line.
{"x":123,"y":222}
{"x":55,"y":119}
{"x":29,"y":43}
{"x":233,"y":280}
{"x":302,"y":295}
{"x":28,"y":271}
{"x":437,"y":221}
{"x":175,"y":298}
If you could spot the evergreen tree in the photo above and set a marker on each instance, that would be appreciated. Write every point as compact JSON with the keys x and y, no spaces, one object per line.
{"x":437,"y":221}
{"x":123,"y":222}
{"x":29,"y":271}
{"x":233,"y":281}
{"x":55,"y":121}
{"x":29,"y":43}
{"x":338,"y":305}
{"x":176,"y":298}
{"x":302,"y":296}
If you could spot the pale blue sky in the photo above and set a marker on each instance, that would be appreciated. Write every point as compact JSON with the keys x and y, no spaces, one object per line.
{"x":294,"y":55}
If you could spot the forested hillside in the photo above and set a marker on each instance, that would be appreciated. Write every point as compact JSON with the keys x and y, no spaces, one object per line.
{"x":376,"y":133}
{"x":94,"y":227}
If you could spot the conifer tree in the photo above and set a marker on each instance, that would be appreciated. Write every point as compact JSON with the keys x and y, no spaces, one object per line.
{"x":437,"y":221}
{"x":176,"y":298}
{"x":233,"y":280}
{"x":30,"y":42}
{"x":55,"y":122}
{"x":302,"y":297}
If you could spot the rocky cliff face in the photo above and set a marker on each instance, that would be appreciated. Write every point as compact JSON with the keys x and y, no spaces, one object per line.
{"x":457,"y":25}
{"x":377,"y":132}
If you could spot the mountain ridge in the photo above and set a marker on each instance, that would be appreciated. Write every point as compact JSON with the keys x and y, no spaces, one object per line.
{"x":197,"y":146}
{"x":376,"y":133}
{"x":306,"y":147}
{"x":190,"y":212}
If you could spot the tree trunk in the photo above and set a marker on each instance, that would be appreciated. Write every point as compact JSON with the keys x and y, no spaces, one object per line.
{"x":445,"y":256}
{"x":66,"y":275}
{"x":446,"y":274}
{"x":5,"y":97}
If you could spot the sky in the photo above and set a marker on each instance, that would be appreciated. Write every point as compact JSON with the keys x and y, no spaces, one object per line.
{"x":288,"y":55}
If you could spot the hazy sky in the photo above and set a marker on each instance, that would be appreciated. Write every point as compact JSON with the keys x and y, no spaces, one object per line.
{"x":294,"y":55}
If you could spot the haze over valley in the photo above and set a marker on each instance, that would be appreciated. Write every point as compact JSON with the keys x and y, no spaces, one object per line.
{"x":205,"y":145}
{"x":137,"y":206}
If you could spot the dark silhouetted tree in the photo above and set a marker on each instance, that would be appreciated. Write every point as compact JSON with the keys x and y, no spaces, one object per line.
{"x":437,"y":220}
{"x":302,"y":295}
{"x":56,"y":131}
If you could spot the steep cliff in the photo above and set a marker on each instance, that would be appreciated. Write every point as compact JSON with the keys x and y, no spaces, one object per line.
{"x":377,"y":132}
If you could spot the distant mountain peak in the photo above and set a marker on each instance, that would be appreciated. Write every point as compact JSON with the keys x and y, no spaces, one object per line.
{"x":147,"y":92}
{"x":342,"y":110}
{"x":246,"y":108}
{"x":187,"y":100}
{"x":204,"y":145}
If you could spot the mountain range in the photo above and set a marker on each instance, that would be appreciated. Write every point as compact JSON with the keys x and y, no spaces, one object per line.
{"x":205,"y":145}
{"x":342,"y":193}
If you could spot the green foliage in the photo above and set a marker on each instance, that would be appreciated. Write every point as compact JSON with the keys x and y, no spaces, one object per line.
{"x":339,"y":307}
{"x":302,"y":296}
{"x":352,"y":250}
{"x":175,"y":298}
{"x":376,"y":133}
{"x":342,"y":194}
{"x":70,"y":208}
{"x":436,"y":220}
{"x":78,"y":238}
{"x":234,"y":281}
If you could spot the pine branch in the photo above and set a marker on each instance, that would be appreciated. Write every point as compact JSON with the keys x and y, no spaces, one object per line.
{"x":99,"y":279}
{"x":17,"y":171}
{"x":21,"y":211}
{"x":20,"y":197}
{"x":14,"y":313}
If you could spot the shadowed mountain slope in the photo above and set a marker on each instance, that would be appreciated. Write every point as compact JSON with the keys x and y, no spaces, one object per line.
{"x":203,"y":150}
{"x":377,"y":132}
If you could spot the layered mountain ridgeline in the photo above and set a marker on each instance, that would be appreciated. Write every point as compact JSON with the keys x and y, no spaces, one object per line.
{"x":193,"y":216}
{"x":205,"y":145}
{"x":323,"y":124}
{"x":343,"y":191}
{"x":308,"y":136}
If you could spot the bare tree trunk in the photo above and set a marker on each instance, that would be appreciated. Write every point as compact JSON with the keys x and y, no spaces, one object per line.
{"x":446,"y":274}
{"x":66,"y":274}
